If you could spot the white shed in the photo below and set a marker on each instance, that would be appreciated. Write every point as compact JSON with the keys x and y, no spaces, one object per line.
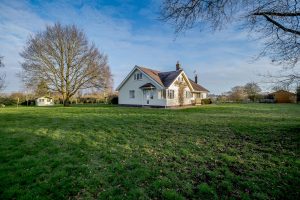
{"x":44,"y":101}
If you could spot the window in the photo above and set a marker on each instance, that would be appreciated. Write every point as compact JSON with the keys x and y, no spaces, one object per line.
{"x":131,"y":94}
{"x":161,"y":94}
{"x":41,"y":100}
{"x":48,"y":100}
{"x":188,"y":94}
{"x":170,"y":94}
{"x":138,"y":76}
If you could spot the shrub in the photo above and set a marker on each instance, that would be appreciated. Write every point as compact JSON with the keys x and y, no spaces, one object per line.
{"x":114,"y":100}
{"x":30,"y":102}
{"x":206,"y":101}
{"x":8,"y":101}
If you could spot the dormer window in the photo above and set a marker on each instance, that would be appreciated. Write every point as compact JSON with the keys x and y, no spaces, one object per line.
{"x":138,"y":76}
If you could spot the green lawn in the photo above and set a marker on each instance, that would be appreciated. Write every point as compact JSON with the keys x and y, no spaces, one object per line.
{"x":229,"y":151}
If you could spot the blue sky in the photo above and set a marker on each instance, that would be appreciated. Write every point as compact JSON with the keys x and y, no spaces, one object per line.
{"x":130,"y":33}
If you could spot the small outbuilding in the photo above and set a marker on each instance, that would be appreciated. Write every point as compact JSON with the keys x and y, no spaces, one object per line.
{"x":282,"y":96}
{"x":44,"y":101}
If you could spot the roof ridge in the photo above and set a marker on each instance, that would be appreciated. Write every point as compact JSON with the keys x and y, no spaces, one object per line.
{"x":158,"y":70}
{"x":148,"y":68}
{"x":170,"y":71}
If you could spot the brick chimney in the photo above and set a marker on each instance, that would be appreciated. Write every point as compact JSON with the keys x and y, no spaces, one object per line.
{"x":196,"y":78}
{"x":178,"y":66}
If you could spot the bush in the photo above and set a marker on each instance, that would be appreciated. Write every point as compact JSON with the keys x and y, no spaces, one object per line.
{"x":206,"y":101}
{"x":114,"y":100}
{"x":30,"y":102}
{"x":8,"y":101}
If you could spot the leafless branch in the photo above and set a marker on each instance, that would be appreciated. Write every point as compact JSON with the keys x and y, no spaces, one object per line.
{"x":62,"y":57}
{"x":274,"y":22}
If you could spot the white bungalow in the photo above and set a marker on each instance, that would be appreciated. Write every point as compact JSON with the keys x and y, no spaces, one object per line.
{"x":148,"y":87}
{"x":44,"y":101}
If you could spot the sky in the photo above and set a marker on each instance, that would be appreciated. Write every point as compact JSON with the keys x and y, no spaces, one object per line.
{"x":130,"y":33}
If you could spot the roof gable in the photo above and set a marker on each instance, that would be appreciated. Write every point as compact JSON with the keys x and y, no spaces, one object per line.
{"x":164,"y":79}
{"x":184,"y":76}
{"x":151,"y":74}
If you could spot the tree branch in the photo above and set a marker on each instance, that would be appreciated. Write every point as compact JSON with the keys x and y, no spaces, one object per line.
{"x":277,"y":24}
{"x":281,"y":14}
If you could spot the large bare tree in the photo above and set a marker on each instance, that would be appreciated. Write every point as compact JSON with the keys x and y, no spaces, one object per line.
{"x":252,"y":90}
{"x":276,"y":22}
{"x":2,"y":75}
{"x":63,"y":58}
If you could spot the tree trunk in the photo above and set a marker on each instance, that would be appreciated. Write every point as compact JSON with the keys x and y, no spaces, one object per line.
{"x":67,"y":101}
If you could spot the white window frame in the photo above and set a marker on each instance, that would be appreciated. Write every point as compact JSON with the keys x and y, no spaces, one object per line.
{"x":131,"y":94}
{"x":161,"y":94}
{"x":138,"y":76}
{"x":171,"y":94}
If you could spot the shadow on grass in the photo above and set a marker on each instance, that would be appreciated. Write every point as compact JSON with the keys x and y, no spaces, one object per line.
{"x":102,"y":154}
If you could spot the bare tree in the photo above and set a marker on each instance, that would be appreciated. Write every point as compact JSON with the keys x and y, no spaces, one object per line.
{"x":276,"y":22}
{"x":2,"y":76}
{"x":63,"y":58}
{"x":237,"y":93}
{"x":252,"y":90}
{"x":41,"y":89}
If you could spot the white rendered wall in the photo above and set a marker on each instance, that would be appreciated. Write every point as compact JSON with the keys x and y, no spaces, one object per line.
{"x":139,"y":99}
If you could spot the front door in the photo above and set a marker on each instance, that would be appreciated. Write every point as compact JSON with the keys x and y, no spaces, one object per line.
{"x":148,"y":96}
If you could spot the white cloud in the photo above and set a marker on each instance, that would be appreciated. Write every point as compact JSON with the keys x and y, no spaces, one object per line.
{"x":221,"y":59}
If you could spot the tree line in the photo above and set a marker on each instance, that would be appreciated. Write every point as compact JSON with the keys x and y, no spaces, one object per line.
{"x":251,"y":92}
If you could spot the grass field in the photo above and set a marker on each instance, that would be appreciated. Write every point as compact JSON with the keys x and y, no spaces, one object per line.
{"x":232,"y":151}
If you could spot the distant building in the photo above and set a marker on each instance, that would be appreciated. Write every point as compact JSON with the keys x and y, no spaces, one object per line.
{"x":44,"y":101}
{"x":282,"y":96}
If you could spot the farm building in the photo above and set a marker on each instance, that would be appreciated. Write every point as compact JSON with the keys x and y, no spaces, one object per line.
{"x":282,"y":96}
{"x":44,"y":101}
